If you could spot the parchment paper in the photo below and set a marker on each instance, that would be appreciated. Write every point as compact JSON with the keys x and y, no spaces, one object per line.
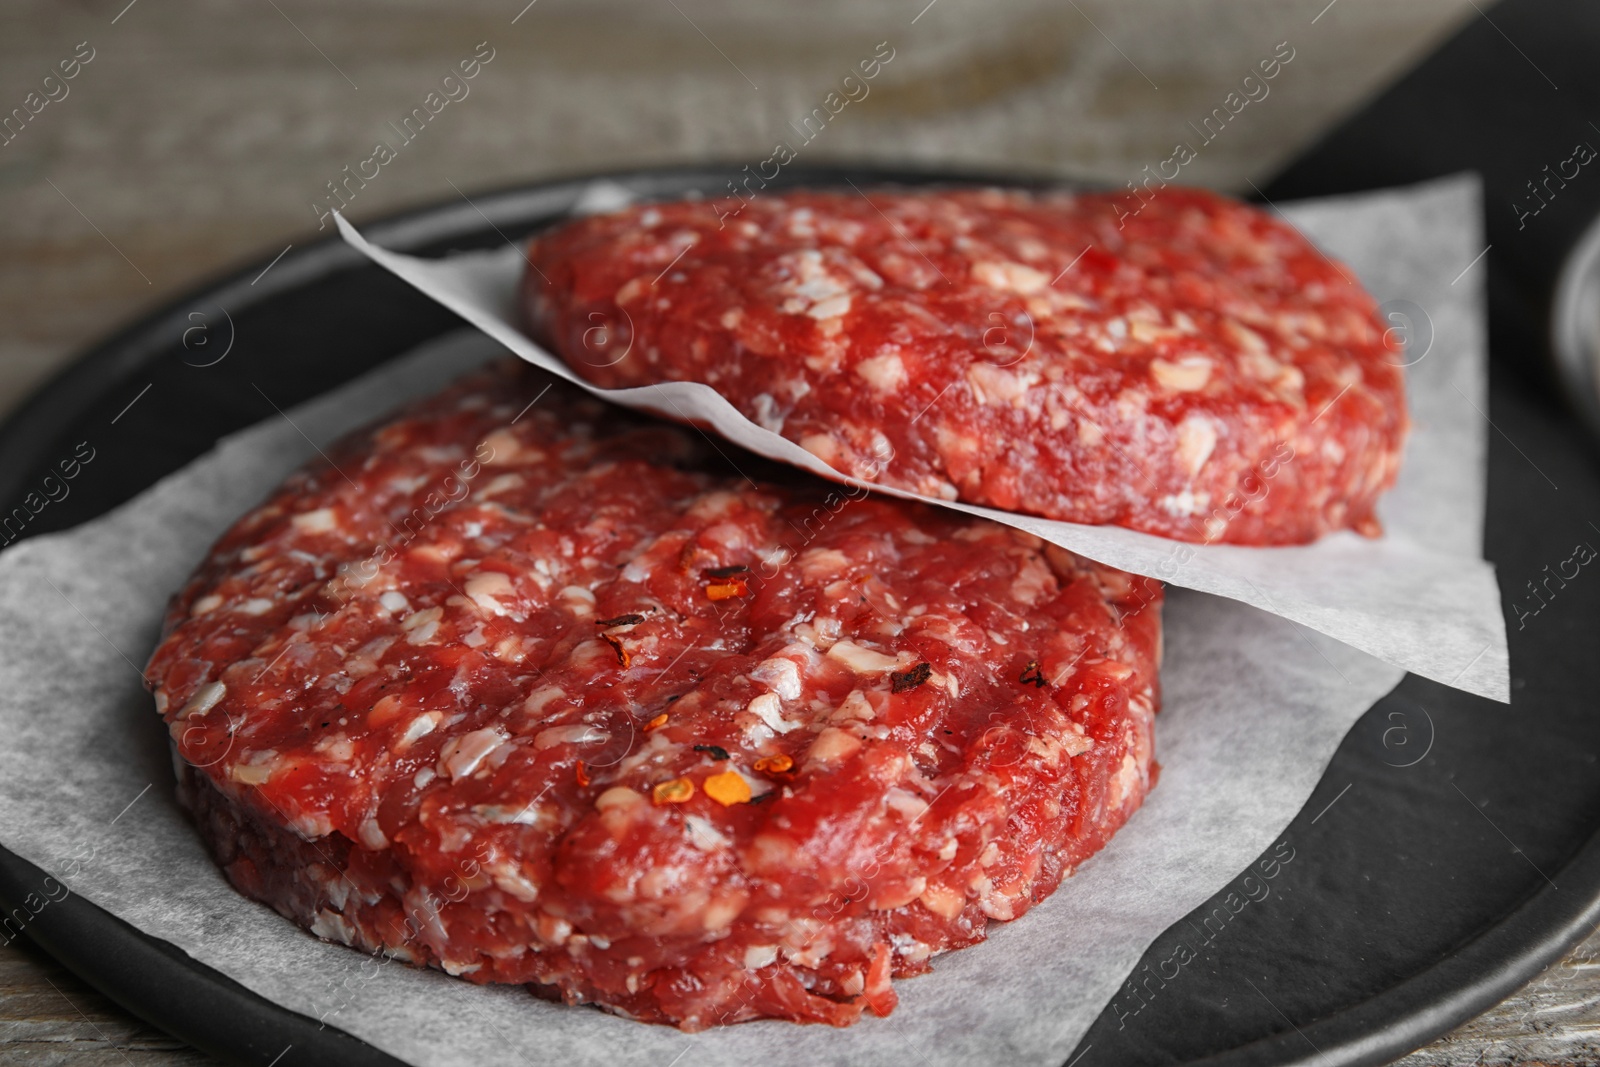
{"x":1254,"y":709}
{"x":1421,"y":597}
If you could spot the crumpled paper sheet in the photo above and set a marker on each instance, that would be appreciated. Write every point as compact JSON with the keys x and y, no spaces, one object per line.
{"x":1421,"y":597}
{"x":1254,"y":708}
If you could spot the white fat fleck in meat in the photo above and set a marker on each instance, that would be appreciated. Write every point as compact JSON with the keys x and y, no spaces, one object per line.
{"x":331,"y":926}
{"x":254,"y":606}
{"x":394,"y":601}
{"x":256,"y":769}
{"x":498,"y":484}
{"x":824,"y":446}
{"x":339,"y":682}
{"x":421,"y":626}
{"x":416,"y":729}
{"x":759,"y":956}
{"x":553,"y":930}
{"x":372,"y":835}
{"x":1249,"y":342}
{"x":807,"y":941}
{"x":704,"y":835}
{"x":336,"y":747}
{"x":781,"y":675}
{"x":578,"y":600}
{"x":832,"y":308}
{"x":502,"y":445}
{"x":454,"y":836}
{"x":1033,"y":581}
{"x":541,"y":698}
{"x":879,"y":448}
{"x":462,"y":755}
{"x":996,"y":385}
{"x":800,"y":223}
{"x":1122,"y":785}
{"x":618,"y":798}
{"x":820,"y":632}
{"x":810,"y":288}
{"x":311,"y":825}
{"x":769,"y":709}
{"x":1075,"y":743}
{"x":405,"y":486}
{"x":575,"y":734}
{"x":861,"y":659}
{"x":832,"y":746}
{"x":885,"y":373}
{"x":819,"y":563}
{"x":510,"y":879}
{"x":206,"y":604}
{"x":205,"y":698}
{"x":530,"y":814}
{"x":855,"y":706}
{"x":423,"y":909}
{"x":766,"y":413}
{"x":1197,"y":437}
{"x":1187,"y":374}
{"x":339,"y":889}
{"x":486,"y":588}
{"x":714,"y":505}
{"x":321,"y":520}
{"x":1010,"y":277}
{"x":248,"y":774}
{"x":421,"y":618}
{"x":1185,"y":503}
{"x":590,"y":655}
{"x":909,"y":948}
{"x":364,"y":660}
{"x":658,"y":750}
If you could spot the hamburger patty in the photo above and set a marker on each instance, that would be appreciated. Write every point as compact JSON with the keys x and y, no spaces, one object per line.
{"x":1196,"y":370}
{"x":534,"y":690}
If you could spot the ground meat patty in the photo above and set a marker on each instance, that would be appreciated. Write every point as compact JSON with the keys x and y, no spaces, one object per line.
{"x":526,"y":688}
{"x":1196,"y":370}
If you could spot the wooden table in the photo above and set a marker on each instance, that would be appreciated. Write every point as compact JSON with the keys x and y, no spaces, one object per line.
{"x":200,"y":136}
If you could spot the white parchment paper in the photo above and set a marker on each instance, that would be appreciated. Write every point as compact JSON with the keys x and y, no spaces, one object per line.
{"x":1421,"y":597}
{"x":1254,"y":707}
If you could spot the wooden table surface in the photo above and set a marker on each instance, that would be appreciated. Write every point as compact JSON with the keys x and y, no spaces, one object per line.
{"x":201,"y":134}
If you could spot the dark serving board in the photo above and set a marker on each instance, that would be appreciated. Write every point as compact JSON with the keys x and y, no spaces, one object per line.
{"x":1447,"y":855}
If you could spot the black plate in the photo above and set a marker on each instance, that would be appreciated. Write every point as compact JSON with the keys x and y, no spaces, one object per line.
{"x":1419,"y":898}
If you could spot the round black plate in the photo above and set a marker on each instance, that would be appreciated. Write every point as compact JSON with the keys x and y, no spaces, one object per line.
{"x":1445,"y":857}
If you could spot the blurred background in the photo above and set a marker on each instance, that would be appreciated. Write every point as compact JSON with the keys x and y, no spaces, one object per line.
{"x":201,"y":132}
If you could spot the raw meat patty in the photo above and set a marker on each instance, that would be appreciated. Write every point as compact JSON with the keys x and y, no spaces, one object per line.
{"x":1196,"y":370}
{"x":553,"y":698}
